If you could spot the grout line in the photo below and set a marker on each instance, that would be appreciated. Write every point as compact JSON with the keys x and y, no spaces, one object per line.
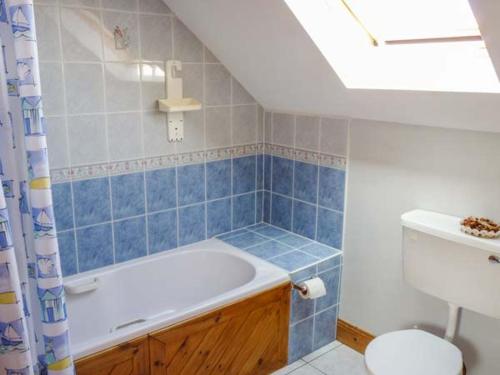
{"x":317,"y":183}
{"x":294,"y":136}
{"x":271,"y":157}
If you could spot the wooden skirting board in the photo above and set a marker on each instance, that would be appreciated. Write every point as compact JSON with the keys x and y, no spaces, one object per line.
{"x":352,"y":336}
{"x":357,"y":338}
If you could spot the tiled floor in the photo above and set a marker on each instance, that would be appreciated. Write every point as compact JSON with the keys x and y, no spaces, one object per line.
{"x":332,"y":359}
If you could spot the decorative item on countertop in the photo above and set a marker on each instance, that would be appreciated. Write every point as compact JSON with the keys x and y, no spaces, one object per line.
{"x":480,"y":227}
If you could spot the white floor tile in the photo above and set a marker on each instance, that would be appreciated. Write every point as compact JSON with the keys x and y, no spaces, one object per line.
{"x":306,"y":370}
{"x":341,"y":361}
{"x":321,"y":351}
{"x":288,"y":369}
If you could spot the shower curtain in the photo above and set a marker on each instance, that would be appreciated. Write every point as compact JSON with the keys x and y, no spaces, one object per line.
{"x":34,"y":335}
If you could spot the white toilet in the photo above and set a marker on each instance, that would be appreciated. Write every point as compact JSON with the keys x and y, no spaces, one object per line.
{"x":441,"y":261}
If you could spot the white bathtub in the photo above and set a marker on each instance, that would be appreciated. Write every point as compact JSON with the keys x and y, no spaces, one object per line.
{"x":136,"y":297}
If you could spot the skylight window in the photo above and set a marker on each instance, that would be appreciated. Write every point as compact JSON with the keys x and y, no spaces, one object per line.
{"x":431,"y":45}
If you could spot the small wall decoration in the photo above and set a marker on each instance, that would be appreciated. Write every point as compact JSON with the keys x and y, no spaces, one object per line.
{"x":122,"y":39}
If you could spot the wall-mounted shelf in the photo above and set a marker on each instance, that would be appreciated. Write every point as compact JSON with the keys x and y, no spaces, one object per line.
{"x":446,"y":227}
{"x":176,"y":104}
{"x":179,"y":105}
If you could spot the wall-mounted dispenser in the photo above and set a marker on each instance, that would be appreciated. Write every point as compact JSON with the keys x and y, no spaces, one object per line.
{"x":175,"y":105}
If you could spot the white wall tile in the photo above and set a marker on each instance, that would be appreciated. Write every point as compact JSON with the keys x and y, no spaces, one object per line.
{"x":307,"y":133}
{"x":127,"y":22}
{"x":268,"y":135}
{"x":87,"y":139}
{"x":155,"y":135}
{"x":240,"y":94}
{"x":122,"y":87}
{"x":128,"y":5}
{"x":192,"y":75}
{"x":194,"y":132}
{"x":125,"y":136}
{"x":153,"y":85}
{"x":218,"y":131}
{"x":244,"y":124}
{"x":52,"y":85}
{"x":85,"y":3}
{"x":153,"y":6}
{"x":187,"y":47}
{"x":156,"y":37}
{"x":217,"y":85}
{"x":84,"y":88}
{"x":47,"y":19}
{"x":57,"y":143}
{"x":209,"y":57}
{"x":334,"y":136}
{"x":81,"y":34}
{"x":283,"y":129}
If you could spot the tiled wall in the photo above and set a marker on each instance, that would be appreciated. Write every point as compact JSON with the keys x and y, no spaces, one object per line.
{"x":305,"y":173}
{"x":121,"y":190}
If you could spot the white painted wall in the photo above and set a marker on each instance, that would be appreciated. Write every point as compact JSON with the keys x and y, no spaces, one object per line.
{"x":268,"y":51}
{"x":394,"y":168}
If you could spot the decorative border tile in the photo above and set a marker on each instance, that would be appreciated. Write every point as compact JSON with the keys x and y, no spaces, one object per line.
{"x":313,"y":157}
{"x":165,"y":161}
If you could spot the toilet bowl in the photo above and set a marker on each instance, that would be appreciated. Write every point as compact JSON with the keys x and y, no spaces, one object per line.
{"x":412,"y":352}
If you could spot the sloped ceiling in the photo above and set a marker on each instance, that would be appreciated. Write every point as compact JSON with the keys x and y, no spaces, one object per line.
{"x":268,"y":51}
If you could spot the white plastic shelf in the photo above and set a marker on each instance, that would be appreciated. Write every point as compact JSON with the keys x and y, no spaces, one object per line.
{"x":446,"y":227}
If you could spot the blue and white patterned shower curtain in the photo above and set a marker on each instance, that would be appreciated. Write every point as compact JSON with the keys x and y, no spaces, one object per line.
{"x":33,"y":321}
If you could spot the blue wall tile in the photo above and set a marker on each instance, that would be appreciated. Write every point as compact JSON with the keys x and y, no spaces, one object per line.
{"x":259,"y":208}
{"x":301,"y":337}
{"x":92,"y":202}
{"x":306,"y":182}
{"x":331,"y":188}
{"x":127,"y":192}
{"x":95,"y":247}
{"x":191,"y":184}
{"x":67,"y":251}
{"x":243,"y":210}
{"x":270,"y":231}
{"x":260,"y":172}
{"x":218,"y":179}
{"x":268,"y":159}
{"x":301,"y":308}
{"x":191,"y":224}
{"x":266,"y":213}
{"x":218,"y":217}
{"x":330,"y":228}
{"x":294,"y":240}
{"x":282,"y":175}
{"x":63,"y":206}
{"x":325,"y":328}
{"x":293,"y":260}
{"x":281,"y":214}
{"x":245,"y":240}
{"x":269,"y":249}
{"x":162,"y":231}
{"x":304,"y":219}
{"x":161,"y":189}
{"x":243,"y":174}
{"x":130,"y":239}
{"x":330,"y":263}
{"x":331,"y":279}
{"x":319,"y":251}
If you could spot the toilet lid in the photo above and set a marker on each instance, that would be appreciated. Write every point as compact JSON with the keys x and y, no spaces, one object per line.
{"x":412,"y":352}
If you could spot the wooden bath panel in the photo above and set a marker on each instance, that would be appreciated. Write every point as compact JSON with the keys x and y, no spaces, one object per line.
{"x":247,"y":337}
{"x":130,"y":358}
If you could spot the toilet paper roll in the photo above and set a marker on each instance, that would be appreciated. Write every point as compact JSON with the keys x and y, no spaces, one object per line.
{"x":313,"y":288}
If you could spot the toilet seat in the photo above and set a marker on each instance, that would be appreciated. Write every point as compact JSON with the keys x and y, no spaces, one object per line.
{"x":412,"y":352}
